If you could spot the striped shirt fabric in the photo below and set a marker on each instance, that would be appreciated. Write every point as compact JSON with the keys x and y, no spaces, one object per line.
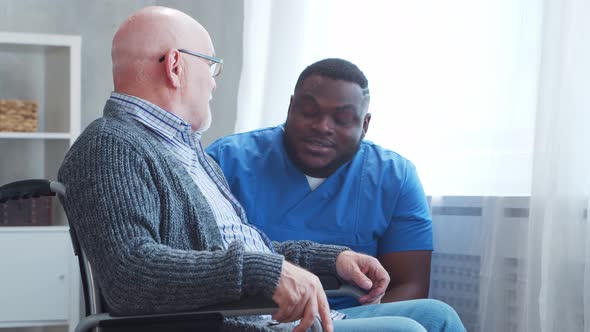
{"x":177,"y":135}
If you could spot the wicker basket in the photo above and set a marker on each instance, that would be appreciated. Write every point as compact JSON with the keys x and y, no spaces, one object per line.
{"x":18,"y":115}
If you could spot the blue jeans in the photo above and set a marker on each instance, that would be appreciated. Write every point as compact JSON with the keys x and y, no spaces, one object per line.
{"x":405,"y":316}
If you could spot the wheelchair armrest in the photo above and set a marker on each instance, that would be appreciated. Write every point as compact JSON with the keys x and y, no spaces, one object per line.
{"x":30,"y":188}
{"x":209,"y":317}
{"x":256,"y":305}
{"x":162,"y":322}
{"x":335,"y":287}
{"x":206,"y":318}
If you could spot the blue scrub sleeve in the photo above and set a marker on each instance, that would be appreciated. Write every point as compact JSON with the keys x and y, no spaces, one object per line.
{"x":213,"y":150}
{"x":410,"y":227}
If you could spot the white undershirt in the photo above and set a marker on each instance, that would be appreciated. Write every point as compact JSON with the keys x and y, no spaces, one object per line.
{"x":314,"y":182}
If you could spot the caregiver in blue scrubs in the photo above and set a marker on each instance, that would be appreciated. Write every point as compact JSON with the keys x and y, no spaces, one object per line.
{"x":316,"y":178}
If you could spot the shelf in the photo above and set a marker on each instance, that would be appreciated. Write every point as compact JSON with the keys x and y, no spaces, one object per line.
{"x":33,"y":229}
{"x":16,"y":135}
{"x":45,"y":68}
{"x":19,"y":38}
{"x":29,"y":324}
{"x":39,"y":268}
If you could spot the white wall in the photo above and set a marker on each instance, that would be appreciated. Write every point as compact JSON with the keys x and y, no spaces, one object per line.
{"x":97,"y":21}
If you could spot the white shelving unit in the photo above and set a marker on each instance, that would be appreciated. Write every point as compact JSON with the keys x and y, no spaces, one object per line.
{"x":39,"y":282}
{"x":65,"y":136}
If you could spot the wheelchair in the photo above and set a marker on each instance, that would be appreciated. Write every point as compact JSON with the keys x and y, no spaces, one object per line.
{"x":209,"y":318}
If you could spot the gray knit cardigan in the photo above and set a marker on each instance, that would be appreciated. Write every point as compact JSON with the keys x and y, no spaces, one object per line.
{"x":149,"y":233}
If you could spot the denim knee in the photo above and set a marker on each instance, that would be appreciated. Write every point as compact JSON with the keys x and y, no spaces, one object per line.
{"x":403,"y":324}
{"x":433,"y":315}
{"x":436,"y":315}
{"x":378,"y":324}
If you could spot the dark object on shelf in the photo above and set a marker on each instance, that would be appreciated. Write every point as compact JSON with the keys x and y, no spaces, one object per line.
{"x":35,"y":211}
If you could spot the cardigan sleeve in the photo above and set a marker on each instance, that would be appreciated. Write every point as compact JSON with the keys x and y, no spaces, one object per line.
{"x":318,"y":258}
{"x":115,"y":206}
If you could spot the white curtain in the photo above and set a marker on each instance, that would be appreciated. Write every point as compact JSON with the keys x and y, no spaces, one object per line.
{"x":447,"y":79}
{"x":490,"y":100}
{"x":555,"y":269}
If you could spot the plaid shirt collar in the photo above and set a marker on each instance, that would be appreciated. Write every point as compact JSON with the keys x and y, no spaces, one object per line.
{"x":175,"y":128}
{"x":154,"y":117}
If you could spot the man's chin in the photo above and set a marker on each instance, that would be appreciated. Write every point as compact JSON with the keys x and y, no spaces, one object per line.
{"x":311,"y":166}
{"x":205,"y":125}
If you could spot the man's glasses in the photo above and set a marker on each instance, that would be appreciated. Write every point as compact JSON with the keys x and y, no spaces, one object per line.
{"x":214,"y":66}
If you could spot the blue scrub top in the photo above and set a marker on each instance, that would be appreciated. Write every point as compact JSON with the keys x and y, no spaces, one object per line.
{"x":373,"y":204}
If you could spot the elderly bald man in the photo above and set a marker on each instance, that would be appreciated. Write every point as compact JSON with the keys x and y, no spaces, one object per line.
{"x":155,"y":215}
